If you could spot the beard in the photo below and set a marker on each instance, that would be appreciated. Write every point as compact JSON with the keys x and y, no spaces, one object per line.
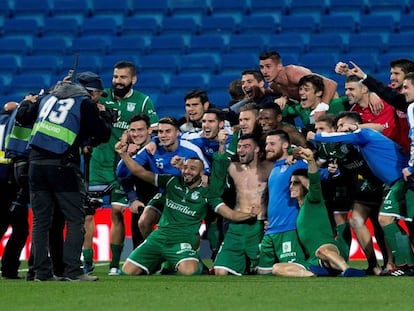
{"x":274,"y":156}
{"x":192,"y":181}
{"x":121,"y":92}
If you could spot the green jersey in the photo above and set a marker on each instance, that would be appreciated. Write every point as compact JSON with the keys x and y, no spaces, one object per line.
{"x":104,"y":158}
{"x":184,"y":208}
{"x":312,"y":224}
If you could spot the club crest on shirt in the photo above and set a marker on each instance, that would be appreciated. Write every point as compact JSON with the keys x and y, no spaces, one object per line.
{"x":131,"y":106}
{"x":195,"y":195}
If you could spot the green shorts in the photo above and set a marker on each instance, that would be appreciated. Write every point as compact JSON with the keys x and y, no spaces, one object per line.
{"x":158,"y":248}
{"x":280,"y":247}
{"x":106,"y":177}
{"x":394,"y":203}
{"x":242,"y":241}
{"x":157,"y":203}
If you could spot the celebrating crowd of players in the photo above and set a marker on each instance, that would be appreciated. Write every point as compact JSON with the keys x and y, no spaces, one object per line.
{"x":280,"y":177}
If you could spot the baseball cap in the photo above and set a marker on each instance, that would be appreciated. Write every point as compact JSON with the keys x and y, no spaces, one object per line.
{"x":91,"y":81}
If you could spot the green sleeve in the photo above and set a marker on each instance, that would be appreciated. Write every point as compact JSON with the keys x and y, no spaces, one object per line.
{"x":149,"y":110}
{"x":217,"y":181}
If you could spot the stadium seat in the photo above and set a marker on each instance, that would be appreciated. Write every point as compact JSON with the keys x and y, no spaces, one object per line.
{"x":235,"y":63}
{"x":220,"y":83}
{"x":9,"y":65}
{"x":256,"y":24}
{"x":319,"y":62}
{"x":108,"y":62}
{"x":70,"y":8}
{"x":197,"y":63}
{"x":91,"y":45}
{"x":158,"y":63}
{"x":299,"y":23}
{"x":406,"y":23}
{"x":367,"y":61}
{"x":181,"y":84}
{"x":309,"y":7}
{"x":29,"y":83}
{"x":99,"y":26}
{"x":220,"y":98}
{"x":246,"y":43}
{"x":85,"y":63}
{"x":207,"y":43}
{"x":287,"y":43}
{"x":170,"y":105}
{"x":179,"y":25}
{"x":6,"y":8}
{"x":395,"y":7}
{"x":338,"y":23}
{"x":128,"y":45}
{"x":49,"y":46}
{"x":259,"y":7}
{"x":349,"y":6}
{"x":40,"y":64}
{"x":60,"y":26}
{"x":148,"y":8}
{"x":14,"y":46}
{"x":117,"y":8}
{"x":377,"y":23}
{"x":140,"y":25}
{"x":185,"y":7}
{"x":38,"y":9}
{"x":168,"y":44}
{"x":25,"y":27}
{"x":384,"y":60}
{"x":217,"y":25}
{"x":151,"y":83}
{"x":326,"y":42}
{"x":366,"y":42}
{"x":218,"y":7}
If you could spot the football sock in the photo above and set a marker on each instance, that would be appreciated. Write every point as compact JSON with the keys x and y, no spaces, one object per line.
{"x":399,"y":244}
{"x":88,"y":256}
{"x":116,"y":255}
{"x":344,"y":239}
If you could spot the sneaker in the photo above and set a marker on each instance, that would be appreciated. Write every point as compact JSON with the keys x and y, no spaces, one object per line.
{"x":352,"y":272}
{"x":88,"y":268}
{"x":114,"y":271}
{"x":402,"y":270}
{"x":83,"y":277}
{"x":53,"y":278}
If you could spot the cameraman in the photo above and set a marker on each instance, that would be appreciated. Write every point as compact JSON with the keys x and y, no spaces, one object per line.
{"x":63,"y":121}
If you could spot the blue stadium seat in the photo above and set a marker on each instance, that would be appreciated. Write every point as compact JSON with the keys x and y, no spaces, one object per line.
{"x":197,"y":63}
{"x":49,"y":46}
{"x":117,"y":8}
{"x":169,"y":105}
{"x":29,"y":83}
{"x":31,"y":8}
{"x":61,"y":26}
{"x":158,"y":63}
{"x":85,"y":63}
{"x":185,"y":7}
{"x":229,"y":7}
{"x":377,"y":23}
{"x":140,"y":25}
{"x":367,"y":61}
{"x":400,"y":42}
{"x":9,"y":65}
{"x":181,"y":84}
{"x":326,"y":42}
{"x":70,"y":8}
{"x":91,"y":45}
{"x":128,"y":45}
{"x":338,"y":23}
{"x":99,"y":26}
{"x":25,"y":27}
{"x":168,"y":44}
{"x":313,"y":7}
{"x":151,"y":83}
{"x":395,"y":7}
{"x":220,"y":98}
{"x":40,"y":64}
{"x":366,"y":42}
{"x":384,"y":60}
{"x":300,"y":23}
{"x":254,"y":24}
{"x":179,"y":25}
{"x":153,"y":7}
{"x":217,"y":25}
{"x":108,"y":62}
{"x":221,"y":82}
{"x":207,"y":43}
{"x":287,"y":43}
{"x":349,"y":6}
{"x":406,"y":23}
{"x":235,"y":63}
{"x":319,"y":62}
{"x":259,"y":7}
{"x":6,"y":8}
{"x":246,"y":43}
{"x":14,"y":46}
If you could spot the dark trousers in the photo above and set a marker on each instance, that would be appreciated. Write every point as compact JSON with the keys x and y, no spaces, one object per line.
{"x":53,"y":185}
